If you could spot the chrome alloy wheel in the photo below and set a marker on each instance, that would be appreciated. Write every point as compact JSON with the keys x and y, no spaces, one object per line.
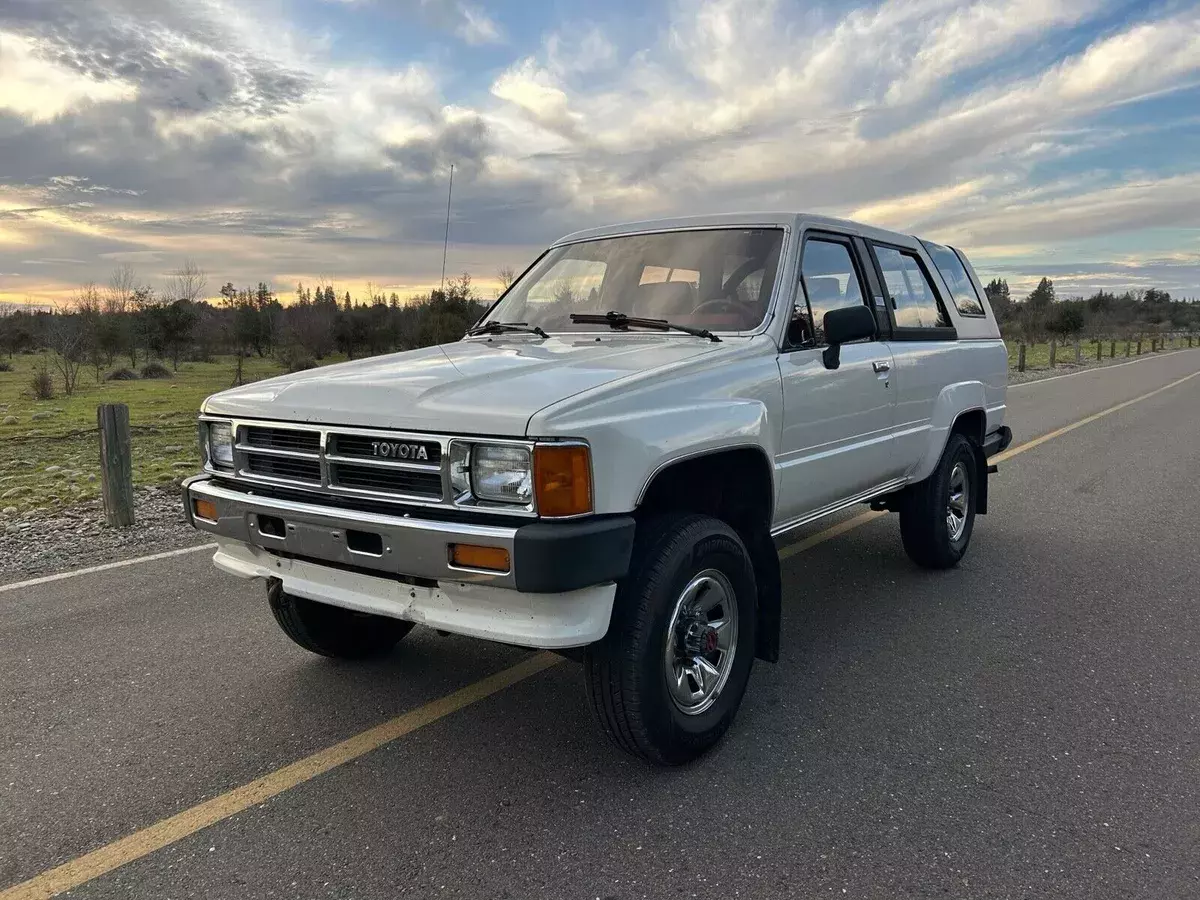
{"x":956,"y":504}
{"x":700,"y":643}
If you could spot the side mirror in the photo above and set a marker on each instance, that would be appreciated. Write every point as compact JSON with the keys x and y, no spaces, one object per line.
{"x":851,"y":323}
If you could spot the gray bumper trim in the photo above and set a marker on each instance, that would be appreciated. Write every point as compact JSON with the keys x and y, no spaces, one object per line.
{"x":418,"y":548}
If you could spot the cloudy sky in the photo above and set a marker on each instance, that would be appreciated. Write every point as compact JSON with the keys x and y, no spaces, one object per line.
{"x":287,"y":140}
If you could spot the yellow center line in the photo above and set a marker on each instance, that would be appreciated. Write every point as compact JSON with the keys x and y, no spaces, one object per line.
{"x":181,"y":825}
{"x":167,"y":831}
{"x":1059,"y":432}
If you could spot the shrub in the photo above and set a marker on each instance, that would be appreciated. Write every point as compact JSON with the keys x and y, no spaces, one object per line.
{"x":155,"y":370}
{"x":302,"y":363}
{"x":43,"y":385}
{"x":5,"y":367}
{"x":121,"y":375}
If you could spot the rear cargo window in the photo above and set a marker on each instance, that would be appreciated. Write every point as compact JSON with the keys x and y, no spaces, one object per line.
{"x":914,"y":300}
{"x":954,"y":273}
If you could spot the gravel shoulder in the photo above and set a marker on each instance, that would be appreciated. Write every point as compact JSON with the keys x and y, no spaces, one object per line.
{"x":43,"y":542}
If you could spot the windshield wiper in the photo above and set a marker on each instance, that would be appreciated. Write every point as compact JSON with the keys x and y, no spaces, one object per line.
{"x":502,"y":327}
{"x":620,"y":321}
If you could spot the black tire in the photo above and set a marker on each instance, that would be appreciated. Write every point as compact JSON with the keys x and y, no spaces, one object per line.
{"x":625,"y":673}
{"x":332,"y":630}
{"x":924,"y":511}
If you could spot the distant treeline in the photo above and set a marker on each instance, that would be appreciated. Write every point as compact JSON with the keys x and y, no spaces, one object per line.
{"x":102,"y":327}
{"x":105,"y":327}
{"x":1132,"y":314}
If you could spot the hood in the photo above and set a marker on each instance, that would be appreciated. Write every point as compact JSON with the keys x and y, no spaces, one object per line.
{"x":475,"y":386}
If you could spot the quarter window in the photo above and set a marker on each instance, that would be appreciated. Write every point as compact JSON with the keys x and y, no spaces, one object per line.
{"x":954,"y":273}
{"x":914,"y":301}
{"x":830,"y":281}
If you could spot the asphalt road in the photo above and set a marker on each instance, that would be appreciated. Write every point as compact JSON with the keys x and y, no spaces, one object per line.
{"x":1023,"y":726}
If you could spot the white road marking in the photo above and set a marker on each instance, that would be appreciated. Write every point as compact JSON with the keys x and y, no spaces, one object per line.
{"x":90,"y":570}
{"x":1092,"y":371}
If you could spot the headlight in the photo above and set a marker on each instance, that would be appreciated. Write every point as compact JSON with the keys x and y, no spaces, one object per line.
{"x":220,"y":445}
{"x":555,"y":479}
{"x":502,"y":474}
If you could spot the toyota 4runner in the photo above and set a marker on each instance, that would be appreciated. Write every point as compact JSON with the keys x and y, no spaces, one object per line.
{"x":605,"y":464}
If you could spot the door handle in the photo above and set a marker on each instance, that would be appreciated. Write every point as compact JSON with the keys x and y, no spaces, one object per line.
{"x":881,"y":367}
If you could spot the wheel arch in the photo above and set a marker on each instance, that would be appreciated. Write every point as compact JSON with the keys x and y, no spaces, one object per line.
{"x":736,"y":485}
{"x":954,"y":401}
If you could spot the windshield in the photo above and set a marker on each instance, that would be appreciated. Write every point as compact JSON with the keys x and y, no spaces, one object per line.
{"x":719,"y":279}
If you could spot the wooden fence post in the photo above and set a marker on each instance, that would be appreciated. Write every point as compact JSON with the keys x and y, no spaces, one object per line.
{"x":1078,"y":353}
{"x":1189,"y":342}
{"x":1021,"y":357}
{"x":1139,"y":347}
{"x":1127,"y":348}
{"x":1053,"y":352}
{"x":1112,"y":349}
{"x":1099,"y":350}
{"x":116,"y":464}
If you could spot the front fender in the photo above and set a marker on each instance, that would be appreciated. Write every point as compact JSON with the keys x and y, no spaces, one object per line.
{"x":954,"y":400}
{"x":630,"y":448}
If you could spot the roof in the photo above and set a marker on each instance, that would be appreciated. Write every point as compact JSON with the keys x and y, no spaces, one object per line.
{"x":794,"y":220}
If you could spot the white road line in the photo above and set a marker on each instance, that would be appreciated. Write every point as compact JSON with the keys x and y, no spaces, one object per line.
{"x":90,"y":570}
{"x":1095,"y":369}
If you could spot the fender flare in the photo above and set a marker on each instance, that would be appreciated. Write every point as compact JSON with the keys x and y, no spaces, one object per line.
{"x":952,"y":402}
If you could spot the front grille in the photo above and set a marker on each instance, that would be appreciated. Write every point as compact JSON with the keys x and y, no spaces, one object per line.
{"x":282,"y":439}
{"x":386,"y":480}
{"x":369,"y":447}
{"x":305,"y":470}
{"x":386,"y":465}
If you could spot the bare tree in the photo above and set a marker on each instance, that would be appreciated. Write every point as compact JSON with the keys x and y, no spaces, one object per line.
{"x":67,"y":337}
{"x":121,"y":285}
{"x":89,"y":307}
{"x":506,"y":276}
{"x":188,"y":282}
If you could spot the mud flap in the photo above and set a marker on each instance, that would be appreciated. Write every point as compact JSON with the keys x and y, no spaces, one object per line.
{"x":765,"y":558}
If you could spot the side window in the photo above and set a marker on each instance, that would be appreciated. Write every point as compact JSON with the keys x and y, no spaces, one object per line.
{"x":954,"y":273}
{"x":914,"y":301}
{"x":830,"y":281}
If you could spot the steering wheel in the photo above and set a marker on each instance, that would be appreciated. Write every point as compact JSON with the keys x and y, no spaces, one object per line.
{"x":718,"y":306}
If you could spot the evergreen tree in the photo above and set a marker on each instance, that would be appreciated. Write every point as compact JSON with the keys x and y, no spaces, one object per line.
{"x":1042,"y":296}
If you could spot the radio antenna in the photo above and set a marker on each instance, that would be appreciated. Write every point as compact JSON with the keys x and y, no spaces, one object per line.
{"x":446,"y":242}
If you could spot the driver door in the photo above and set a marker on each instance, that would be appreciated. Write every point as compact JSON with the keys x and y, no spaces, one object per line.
{"x":836,"y":442}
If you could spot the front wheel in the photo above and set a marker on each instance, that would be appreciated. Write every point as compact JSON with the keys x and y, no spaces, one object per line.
{"x":937,"y":515}
{"x":334,"y":631}
{"x":667,"y":680}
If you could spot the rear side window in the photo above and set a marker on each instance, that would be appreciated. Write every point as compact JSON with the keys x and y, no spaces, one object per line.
{"x":954,"y":273}
{"x":914,"y":301}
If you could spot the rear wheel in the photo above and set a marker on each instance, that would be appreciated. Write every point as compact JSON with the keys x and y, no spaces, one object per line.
{"x":937,"y":516}
{"x":332,"y":630}
{"x":667,"y":680}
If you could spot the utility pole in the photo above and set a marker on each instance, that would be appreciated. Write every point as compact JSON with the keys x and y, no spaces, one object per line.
{"x":446,"y":243}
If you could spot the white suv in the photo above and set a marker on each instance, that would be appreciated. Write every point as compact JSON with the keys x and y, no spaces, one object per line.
{"x":604,"y":464}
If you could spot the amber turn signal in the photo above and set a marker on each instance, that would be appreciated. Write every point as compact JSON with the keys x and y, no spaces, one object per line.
{"x":205,"y":509}
{"x":562,"y":477}
{"x":471,"y":556}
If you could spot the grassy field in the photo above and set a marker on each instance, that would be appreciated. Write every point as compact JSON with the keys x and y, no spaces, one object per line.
{"x":49,"y":456}
{"x":49,"y":453}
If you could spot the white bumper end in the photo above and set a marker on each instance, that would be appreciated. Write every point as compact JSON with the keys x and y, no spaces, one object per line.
{"x":548,"y":621}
